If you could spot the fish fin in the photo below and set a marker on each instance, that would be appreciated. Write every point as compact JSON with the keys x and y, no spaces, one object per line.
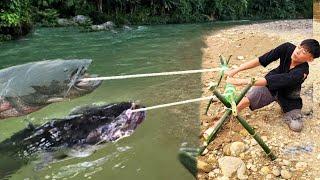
{"x":54,"y":100}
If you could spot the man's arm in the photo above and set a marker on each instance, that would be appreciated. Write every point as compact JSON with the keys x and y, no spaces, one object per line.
{"x":276,"y":81}
{"x":239,"y":82}
{"x":248,"y":65}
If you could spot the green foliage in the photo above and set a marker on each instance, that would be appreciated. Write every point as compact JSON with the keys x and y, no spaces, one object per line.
{"x":227,"y":9}
{"x":16,"y":16}
{"x":279,"y":9}
{"x":47,"y":17}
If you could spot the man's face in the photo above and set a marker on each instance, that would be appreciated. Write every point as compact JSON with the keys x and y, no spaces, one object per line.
{"x":301,"y":55}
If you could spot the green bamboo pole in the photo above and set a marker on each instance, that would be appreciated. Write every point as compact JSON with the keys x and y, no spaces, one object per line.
{"x":255,"y":135}
{"x":222,"y":62}
{"x":225,"y":116}
{"x":250,"y":130}
{"x":214,"y":133}
{"x":229,"y":59}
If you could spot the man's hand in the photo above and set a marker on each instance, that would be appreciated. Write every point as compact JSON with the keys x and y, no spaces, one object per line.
{"x":231,"y":72}
{"x":237,"y":81}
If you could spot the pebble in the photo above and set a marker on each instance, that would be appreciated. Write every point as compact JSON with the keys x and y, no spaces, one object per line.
{"x":286,"y":162}
{"x":203,"y":166}
{"x":226,"y":150}
{"x":211,"y":159}
{"x":240,"y":58}
{"x":254,"y":168}
{"x":205,"y":151}
{"x":269,"y":176}
{"x":211,"y":174}
{"x":285,"y":174}
{"x":223,"y":178}
{"x":244,"y":133}
{"x":264,"y":170}
{"x":301,"y":166}
{"x":236,"y":148}
{"x":276,"y":172}
{"x":253,"y":142}
{"x":264,"y":138}
{"x":217,"y":171}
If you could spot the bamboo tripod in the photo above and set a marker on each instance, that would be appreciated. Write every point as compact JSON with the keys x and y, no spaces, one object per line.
{"x":187,"y":156}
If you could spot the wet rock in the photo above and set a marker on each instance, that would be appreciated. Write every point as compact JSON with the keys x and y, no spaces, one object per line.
{"x":97,"y":27}
{"x":127,"y":28}
{"x":232,"y":165}
{"x":108,"y":25}
{"x":285,"y":174}
{"x":236,"y":148}
{"x":81,"y":19}
{"x":64,"y":22}
{"x":203,"y":166}
{"x":301,"y":166}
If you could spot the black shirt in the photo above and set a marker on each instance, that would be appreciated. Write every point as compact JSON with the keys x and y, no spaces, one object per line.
{"x":285,"y":83}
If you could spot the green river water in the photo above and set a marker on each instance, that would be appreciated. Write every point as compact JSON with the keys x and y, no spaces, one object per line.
{"x":151,"y":152}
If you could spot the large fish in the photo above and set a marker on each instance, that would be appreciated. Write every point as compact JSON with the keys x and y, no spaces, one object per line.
{"x":29,"y":87}
{"x":84,"y":127}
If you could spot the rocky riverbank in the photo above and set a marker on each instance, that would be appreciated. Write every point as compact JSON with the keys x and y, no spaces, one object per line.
{"x":234,"y":153}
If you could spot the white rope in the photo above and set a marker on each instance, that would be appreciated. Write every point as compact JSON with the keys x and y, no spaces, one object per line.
{"x":151,"y":74}
{"x":173,"y":104}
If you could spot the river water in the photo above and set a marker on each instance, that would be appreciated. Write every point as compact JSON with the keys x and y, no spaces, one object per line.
{"x":151,"y":152}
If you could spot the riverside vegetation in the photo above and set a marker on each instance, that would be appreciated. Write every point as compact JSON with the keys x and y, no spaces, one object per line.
{"x":18,"y":17}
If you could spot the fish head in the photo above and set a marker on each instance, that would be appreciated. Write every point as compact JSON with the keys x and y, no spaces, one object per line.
{"x":74,"y":71}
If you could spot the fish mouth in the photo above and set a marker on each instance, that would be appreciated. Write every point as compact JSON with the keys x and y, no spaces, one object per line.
{"x":80,"y":73}
{"x":87,"y":85}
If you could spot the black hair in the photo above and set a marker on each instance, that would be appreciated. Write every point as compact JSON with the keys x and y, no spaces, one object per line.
{"x":312,"y":46}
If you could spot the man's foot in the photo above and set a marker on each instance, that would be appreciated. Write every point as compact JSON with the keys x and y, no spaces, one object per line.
{"x":294,"y":120}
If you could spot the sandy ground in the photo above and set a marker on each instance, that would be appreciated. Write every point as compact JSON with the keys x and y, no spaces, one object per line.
{"x":298,"y":153}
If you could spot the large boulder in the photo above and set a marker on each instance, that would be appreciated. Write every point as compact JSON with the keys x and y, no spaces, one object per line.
{"x":81,"y":19}
{"x":64,"y":22}
{"x":108,"y":25}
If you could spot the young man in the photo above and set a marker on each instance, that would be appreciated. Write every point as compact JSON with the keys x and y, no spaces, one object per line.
{"x":282,"y":84}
